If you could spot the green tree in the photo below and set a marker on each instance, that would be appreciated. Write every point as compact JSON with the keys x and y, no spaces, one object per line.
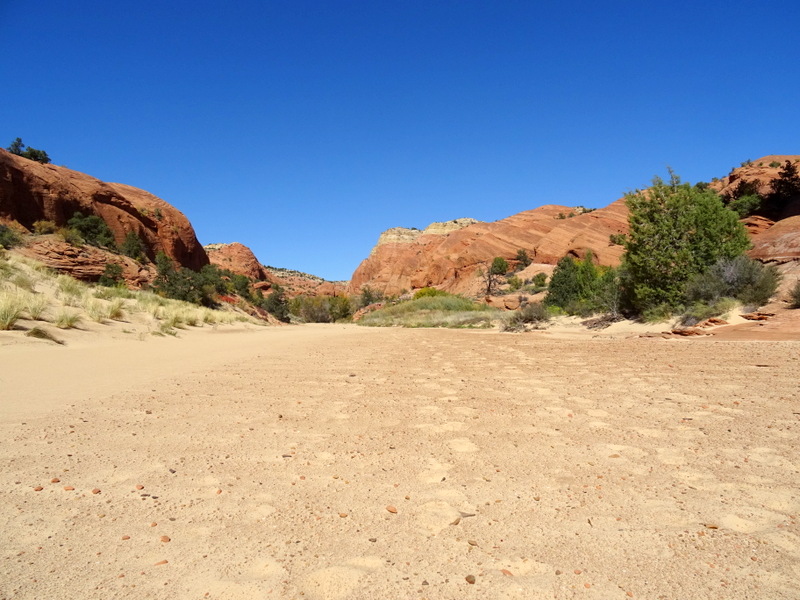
{"x":676,"y":232}
{"x":18,"y":148}
{"x":523,"y":259}
{"x":499,"y":266}
{"x":785,"y":191}
{"x":133,"y":246}
{"x":276,"y":304}
{"x":92,"y":229}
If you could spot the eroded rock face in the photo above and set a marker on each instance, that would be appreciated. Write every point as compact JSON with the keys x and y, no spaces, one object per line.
{"x":237,"y":258}
{"x":31,"y":191}
{"x":451,"y":260}
{"x":86,"y":263}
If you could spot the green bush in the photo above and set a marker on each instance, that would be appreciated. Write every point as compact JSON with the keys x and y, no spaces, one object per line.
{"x":676,"y":232}
{"x":746,"y":205}
{"x":539,"y":280}
{"x":70,"y":236}
{"x":514,"y":283}
{"x":276,"y":304}
{"x":523,"y":260}
{"x":112,"y":275}
{"x":785,"y":191}
{"x":774,"y":164}
{"x":499,"y":266}
{"x":8,"y":237}
{"x":428,"y":292}
{"x":447,"y":310}
{"x":746,"y":280}
{"x":534,"y":313}
{"x":700,"y":311}
{"x":92,"y":229}
{"x":368,"y":296}
{"x":794,"y":295}
{"x":133,"y":246}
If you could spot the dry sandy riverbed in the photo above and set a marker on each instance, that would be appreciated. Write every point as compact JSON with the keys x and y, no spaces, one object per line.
{"x":342,"y":462}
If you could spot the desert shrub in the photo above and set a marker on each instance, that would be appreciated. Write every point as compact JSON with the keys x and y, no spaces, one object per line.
{"x":8,"y":237}
{"x":774,"y":164}
{"x":11,"y":307}
{"x":676,"y":232}
{"x":539,"y":280}
{"x":70,"y":236}
{"x":742,"y":278}
{"x":367,"y":296}
{"x":43,"y":227}
{"x":499,"y":266}
{"x":133,"y":246}
{"x":187,"y":285}
{"x":746,"y":205}
{"x":276,"y":304}
{"x":581,"y":288}
{"x":534,"y":313}
{"x":429,"y":292}
{"x":659,"y":313}
{"x":618,"y":239}
{"x":112,"y":275}
{"x":18,"y":148}
{"x":96,"y":310}
{"x":794,"y":295}
{"x":92,"y":229}
{"x":514,"y":283}
{"x":523,"y":259}
{"x":785,"y":191}
{"x":321,"y":309}
{"x":700,"y":311}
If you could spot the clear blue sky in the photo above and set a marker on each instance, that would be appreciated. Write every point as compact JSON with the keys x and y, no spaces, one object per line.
{"x":305,"y":128}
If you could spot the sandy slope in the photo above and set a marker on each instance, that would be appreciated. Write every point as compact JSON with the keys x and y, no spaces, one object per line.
{"x":542,"y":467}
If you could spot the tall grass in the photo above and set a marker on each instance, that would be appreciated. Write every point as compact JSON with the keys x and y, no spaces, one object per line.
{"x":11,"y":307}
{"x":433,"y":311}
{"x":67,"y":319}
{"x":35,"y":305}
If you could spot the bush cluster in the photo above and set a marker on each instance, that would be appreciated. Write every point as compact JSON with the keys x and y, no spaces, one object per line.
{"x":579,"y":287}
{"x":8,"y":237}
{"x":321,"y":309}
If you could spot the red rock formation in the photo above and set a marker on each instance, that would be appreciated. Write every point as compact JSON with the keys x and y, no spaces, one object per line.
{"x":237,"y":258}
{"x":31,"y":191}
{"x":86,"y":263}
{"x":451,"y":260}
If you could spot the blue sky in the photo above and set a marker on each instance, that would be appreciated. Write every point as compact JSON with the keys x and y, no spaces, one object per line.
{"x":305,"y":128}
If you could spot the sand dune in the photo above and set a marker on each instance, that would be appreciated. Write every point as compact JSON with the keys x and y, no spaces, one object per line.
{"x":337,"y":462}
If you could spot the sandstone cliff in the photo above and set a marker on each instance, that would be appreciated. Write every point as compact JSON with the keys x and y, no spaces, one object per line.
{"x":238,"y":259}
{"x":406,"y":259}
{"x":30,"y":191}
{"x":451,"y":259}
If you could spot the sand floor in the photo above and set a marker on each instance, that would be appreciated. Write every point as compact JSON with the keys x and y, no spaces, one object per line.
{"x":338,"y":462}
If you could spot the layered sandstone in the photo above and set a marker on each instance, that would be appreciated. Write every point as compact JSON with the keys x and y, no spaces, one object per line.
{"x":451,"y":260}
{"x":31,"y":191}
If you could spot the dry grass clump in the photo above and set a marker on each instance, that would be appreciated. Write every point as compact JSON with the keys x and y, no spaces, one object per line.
{"x":35,"y":305}
{"x":11,"y":307}
{"x":116,"y":309}
{"x":67,"y":319}
{"x":109,"y":293}
{"x":23,"y":282}
{"x":96,"y":310}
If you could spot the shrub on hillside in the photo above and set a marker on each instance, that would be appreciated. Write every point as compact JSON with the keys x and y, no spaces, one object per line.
{"x":794,"y":295}
{"x":534,"y":313}
{"x":8,"y":237}
{"x":112,"y":275}
{"x":44,"y":227}
{"x":429,"y":292}
{"x":133,"y":246}
{"x":92,"y":229}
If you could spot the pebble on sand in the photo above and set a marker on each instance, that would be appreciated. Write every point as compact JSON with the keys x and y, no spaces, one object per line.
{"x":470,"y":579}
{"x":391,"y":509}
{"x":343,"y":515}
{"x":38,"y":488}
{"x":139,"y":487}
{"x":126,"y":537}
{"x":506,"y":572}
{"x":68,"y":488}
{"x":95,"y":491}
{"x":165,"y":538}
{"x":55,"y":480}
{"x":161,"y":562}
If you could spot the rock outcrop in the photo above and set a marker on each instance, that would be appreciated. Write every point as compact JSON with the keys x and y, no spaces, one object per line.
{"x":86,"y":263}
{"x":450,"y":260}
{"x":238,"y":259}
{"x":31,"y":191}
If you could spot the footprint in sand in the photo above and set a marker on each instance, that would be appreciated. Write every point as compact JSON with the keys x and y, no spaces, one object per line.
{"x":432,"y":517}
{"x":462,"y":445}
{"x":340,"y":581}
